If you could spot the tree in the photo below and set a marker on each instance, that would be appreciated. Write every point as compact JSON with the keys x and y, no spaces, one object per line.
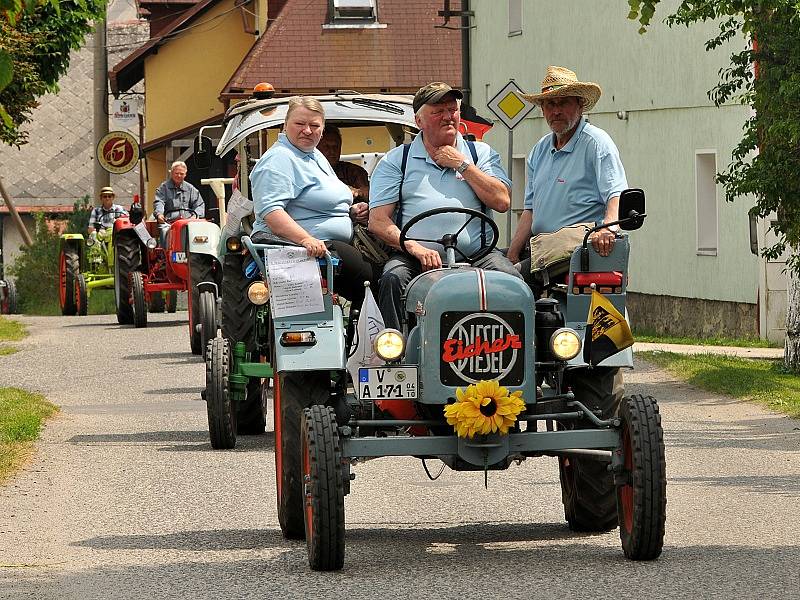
{"x":765,"y":165}
{"x":36,"y":37}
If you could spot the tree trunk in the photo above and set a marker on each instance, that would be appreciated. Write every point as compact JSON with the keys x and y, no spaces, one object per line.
{"x":791,"y":357}
{"x":12,"y":209}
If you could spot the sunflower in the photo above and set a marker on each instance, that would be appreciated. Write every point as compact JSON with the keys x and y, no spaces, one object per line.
{"x":483,"y":408}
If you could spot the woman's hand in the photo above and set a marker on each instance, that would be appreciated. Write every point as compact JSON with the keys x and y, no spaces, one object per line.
{"x":313,"y":246}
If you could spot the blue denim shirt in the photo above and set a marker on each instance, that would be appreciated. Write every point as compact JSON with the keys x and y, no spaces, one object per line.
{"x":170,"y":197}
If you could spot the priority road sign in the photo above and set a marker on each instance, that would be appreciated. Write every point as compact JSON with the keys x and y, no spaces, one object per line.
{"x":509,"y":105}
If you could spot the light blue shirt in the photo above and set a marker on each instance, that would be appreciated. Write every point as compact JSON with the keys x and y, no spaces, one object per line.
{"x":427,"y":186}
{"x":305,"y":186}
{"x":574,"y":184}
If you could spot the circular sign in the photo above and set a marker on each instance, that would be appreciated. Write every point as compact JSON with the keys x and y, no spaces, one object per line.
{"x":118,"y":152}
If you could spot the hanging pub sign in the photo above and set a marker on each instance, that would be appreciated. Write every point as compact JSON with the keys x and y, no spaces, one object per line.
{"x":125,"y":112}
{"x":118,"y":152}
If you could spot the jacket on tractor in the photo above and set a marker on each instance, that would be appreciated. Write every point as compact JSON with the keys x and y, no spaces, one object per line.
{"x":144,"y":272}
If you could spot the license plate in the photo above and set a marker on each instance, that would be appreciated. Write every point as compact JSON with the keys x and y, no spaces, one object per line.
{"x":179,"y":257}
{"x":387,"y":383}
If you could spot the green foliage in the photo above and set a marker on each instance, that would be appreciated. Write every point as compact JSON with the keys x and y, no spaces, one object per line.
{"x":21,"y":418}
{"x":11,"y":330}
{"x":766,"y":162}
{"x":35,"y":41}
{"x":36,"y":267}
{"x":652,"y":337}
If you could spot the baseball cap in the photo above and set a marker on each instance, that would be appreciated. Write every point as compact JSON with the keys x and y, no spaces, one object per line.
{"x":432,"y":93}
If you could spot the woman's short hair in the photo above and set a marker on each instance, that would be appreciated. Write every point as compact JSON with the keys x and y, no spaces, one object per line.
{"x":306,"y":102}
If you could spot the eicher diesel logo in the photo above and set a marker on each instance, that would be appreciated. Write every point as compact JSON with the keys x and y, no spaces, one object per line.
{"x":478,"y":346}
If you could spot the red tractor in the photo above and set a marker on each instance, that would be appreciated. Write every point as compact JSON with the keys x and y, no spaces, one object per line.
{"x":144,"y":269}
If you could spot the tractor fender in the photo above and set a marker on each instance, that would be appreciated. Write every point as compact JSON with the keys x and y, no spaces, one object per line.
{"x":74,"y":241}
{"x":327,"y":354}
{"x":208,"y":286}
{"x":203,"y":238}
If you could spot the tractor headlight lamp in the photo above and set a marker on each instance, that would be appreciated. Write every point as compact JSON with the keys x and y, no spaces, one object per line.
{"x":90,"y":240}
{"x":258,"y":293}
{"x":390,"y":344}
{"x":233,"y":244}
{"x":151,"y":243}
{"x":565,"y":343}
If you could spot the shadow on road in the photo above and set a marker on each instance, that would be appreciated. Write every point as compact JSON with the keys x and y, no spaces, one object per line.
{"x":244,"y":443}
{"x":781,"y":485}
{"x":179,"y":390}
{"x":186,"y":356}
{"x":187,"y":441}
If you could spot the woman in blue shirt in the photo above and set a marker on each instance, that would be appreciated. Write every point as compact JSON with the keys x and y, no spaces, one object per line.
{"x":298,"y":197}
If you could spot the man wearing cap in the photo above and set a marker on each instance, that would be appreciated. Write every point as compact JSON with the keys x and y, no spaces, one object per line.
{"x":575,"y":174}
{"x":103,"y":216}
{"x":442,"y":170}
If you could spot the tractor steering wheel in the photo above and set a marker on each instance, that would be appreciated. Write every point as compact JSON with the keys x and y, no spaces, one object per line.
{"x":179,"y":211}
{"x":448,"y":240}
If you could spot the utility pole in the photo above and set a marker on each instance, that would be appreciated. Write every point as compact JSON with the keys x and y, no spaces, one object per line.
{"x":101,"y":176}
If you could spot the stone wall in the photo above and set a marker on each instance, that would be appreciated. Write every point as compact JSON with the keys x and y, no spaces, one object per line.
{"x":693,"y":317}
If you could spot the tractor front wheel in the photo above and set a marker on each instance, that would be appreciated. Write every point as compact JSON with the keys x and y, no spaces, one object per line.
{"x":323,"y":489}
{"x":172,"y":301}
{"x":642,"y":485}
{"x":81,"y":295}
{"x":221,"y":413}
{"x":200,"y":269}
{"x":139,"y":299}
{"x":208,"y":319}
{"x":8,"y":301}
{"x":69,"y":266}
{"x":157,"y":302}
{"x":127,"y":259}
{"x":293,"y":393}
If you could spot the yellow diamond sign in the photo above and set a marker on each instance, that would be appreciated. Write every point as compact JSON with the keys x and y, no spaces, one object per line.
{"x":509,"y":105}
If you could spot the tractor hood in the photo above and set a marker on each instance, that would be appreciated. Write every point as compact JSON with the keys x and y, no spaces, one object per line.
{"x":250,"y":116}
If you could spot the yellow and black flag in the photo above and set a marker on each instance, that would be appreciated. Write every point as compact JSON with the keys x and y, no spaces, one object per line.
{"x":607,"y":331}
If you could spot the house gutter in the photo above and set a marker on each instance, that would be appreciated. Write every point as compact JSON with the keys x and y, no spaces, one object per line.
{"x":466,"y":83}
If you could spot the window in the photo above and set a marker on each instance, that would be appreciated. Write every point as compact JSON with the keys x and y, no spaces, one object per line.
{"x":352,"y":13}
{"x":705,"y":170}
{"x":514,"y":17}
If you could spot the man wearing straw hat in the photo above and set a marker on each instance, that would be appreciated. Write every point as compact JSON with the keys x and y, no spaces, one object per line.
{"x":575,"y":174}
{"x":103,"y":216}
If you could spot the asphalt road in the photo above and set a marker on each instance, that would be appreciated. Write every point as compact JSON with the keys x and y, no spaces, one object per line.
{"x":126,"y":499}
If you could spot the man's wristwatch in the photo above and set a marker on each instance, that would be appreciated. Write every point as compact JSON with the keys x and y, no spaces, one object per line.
{"x":462,"y":167}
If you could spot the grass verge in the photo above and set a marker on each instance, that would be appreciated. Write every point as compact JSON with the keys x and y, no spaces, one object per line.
{"x":10,"y":331}
{"x":21,"y":416}
{"x":762,"y":381}
{"x":651,"y":337}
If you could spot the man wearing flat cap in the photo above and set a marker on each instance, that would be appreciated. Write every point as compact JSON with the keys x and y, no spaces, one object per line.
{"x":575,"y":174}
{"x":103,"y":216}
{"x":439,"y":169}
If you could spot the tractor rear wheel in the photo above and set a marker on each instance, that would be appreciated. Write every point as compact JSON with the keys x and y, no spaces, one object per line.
{"x":81,"y":295}
{"x":293,"y":393}
{"x":207,"y":307}
{"x":642,"y":493}
{"x":221,"y":413}
{"x":127,"y":259}
{"x":238,"y":320}
{"x":139,"y":299}
{"x":200,"y":269}
{"x":323,"y":489}
{"x":587,"y":486}
{"x":69,"y":266}
{"x":156,"y":302}
{"x":172,"y":301}
{"x":8,"y":303}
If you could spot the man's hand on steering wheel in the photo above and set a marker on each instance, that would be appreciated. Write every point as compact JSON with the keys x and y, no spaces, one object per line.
{"x":428,"y":259}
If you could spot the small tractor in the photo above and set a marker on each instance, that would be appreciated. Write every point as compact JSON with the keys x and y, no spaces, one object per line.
{"x":143,"y":271}
{"x":8,"y":291}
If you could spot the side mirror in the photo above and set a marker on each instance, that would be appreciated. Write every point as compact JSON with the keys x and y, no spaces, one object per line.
{"x":631,"y":209}
{"x":203,"y":148}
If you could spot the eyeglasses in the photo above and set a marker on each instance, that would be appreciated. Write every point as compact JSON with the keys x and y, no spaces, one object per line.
{"x":106,"y":195}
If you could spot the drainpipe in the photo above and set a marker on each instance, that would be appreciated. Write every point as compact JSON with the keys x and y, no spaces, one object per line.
{"x":466,"y":84}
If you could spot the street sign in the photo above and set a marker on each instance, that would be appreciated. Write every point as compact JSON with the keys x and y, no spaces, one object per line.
{"x":118,"y":152}
{"x":125,"y":112}
{"x":509,"y":106}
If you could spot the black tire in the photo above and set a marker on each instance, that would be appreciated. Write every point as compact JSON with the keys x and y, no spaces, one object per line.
{"x":81,"y":295}
{"x":8,"y":303}
{"x":69,"y":268}
{"x":200,"y":269}
{"x":324,"y":489}
{"x":251,"y":415}
{"x":156,"y":302}
{"x":221,"y":413}
{"x":293,"y":393}
{"x":238,"y":313}
{"x":172,"y":301}
{"x":207,"y":307}
{"x":139,"y":300}
{"x":642,"y":493}
{"x":587,"y":486}
{"x":127,"y":259}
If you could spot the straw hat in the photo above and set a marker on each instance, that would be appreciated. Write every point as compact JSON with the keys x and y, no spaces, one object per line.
{"x":107,"y":190}
{"x":560,"y":82}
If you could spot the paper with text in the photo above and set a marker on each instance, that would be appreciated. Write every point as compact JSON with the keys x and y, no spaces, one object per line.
{"x":294,"y":281}
{"x":238,"y":208}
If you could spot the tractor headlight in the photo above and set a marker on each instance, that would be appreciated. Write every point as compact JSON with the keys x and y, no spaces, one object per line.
{"x":233,"y":244}
{"x":151,"y":243}
{"x":258,"y":293}
{"x":565,"y":343}
{"x":390,"y":344}
{"x":90,"y":240}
